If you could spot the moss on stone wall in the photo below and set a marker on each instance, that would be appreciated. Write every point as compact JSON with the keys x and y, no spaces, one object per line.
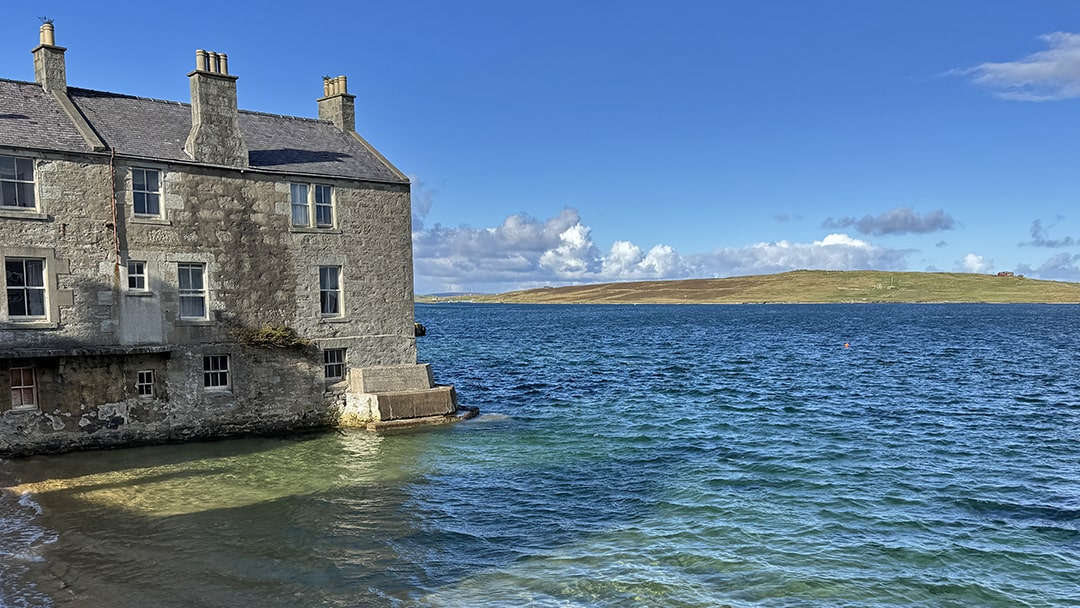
{"x":272,"y":336}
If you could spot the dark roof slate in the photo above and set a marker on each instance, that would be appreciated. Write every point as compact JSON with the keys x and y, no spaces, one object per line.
{"x":286,"y":143}
{"x":32,"y":118}
{"x":156,"y":129}
{"x":139,"y":127}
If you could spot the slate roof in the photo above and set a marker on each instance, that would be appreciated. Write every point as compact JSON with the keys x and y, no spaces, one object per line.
{"x":156,"y":129}
{"x":31,"y":118}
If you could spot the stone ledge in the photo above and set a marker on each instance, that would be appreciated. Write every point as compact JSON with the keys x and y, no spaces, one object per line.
{"x":437,"y":401}
{"x":364,"y":408}
{"x":83,"y":351}
{"x":410,"y":423}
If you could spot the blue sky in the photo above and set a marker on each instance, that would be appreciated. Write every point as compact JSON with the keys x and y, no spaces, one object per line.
{"x":563,"y":142}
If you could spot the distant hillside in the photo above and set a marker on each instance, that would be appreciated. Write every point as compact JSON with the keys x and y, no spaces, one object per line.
{"x":801,"y":286}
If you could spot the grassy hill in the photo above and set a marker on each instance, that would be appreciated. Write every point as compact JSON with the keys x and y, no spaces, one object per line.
{"x":801,"y":286}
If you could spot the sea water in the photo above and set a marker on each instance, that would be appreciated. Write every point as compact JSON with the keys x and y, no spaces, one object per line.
{"x":764,"y":455}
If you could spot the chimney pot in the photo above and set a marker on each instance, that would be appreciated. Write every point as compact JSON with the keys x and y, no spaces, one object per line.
{"x":337,"y":106}
{"x":224,"y":63}
{"x":200,"y":60}
{"x":48,"y":35}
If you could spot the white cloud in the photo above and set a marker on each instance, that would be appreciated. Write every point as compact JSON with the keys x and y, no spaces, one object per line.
{"x":834,"y":252}
{"x":627,"y":261}
{"x":575,"y":257}
{"x":976,"y":263}
{"x":662,"y":260}
{"x":623,"y":258}
{"x":525,"y":252}
{"x":1049,"y":75}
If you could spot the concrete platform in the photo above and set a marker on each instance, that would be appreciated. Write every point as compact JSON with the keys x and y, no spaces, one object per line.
{"x":399,"y":396}
{"x":386,"y":425}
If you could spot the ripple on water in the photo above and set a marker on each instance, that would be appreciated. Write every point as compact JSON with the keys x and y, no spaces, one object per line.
{"x":645,"y":456}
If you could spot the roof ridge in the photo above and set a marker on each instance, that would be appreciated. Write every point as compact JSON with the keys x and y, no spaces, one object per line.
{"x":149,"y":128}
{"x":183,"y":103}
{"x":127,"y":96}
{"x":17,"y":81}
{"x":280,"y":115}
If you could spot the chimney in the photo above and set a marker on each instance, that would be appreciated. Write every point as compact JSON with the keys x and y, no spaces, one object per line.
{"x":336,"y":105}
{"x":49,"y":70}
{"x":215,"y":121}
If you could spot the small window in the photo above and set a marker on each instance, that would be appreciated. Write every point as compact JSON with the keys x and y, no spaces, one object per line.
{"x":23,"y":389}
{"x":192,"y":291}
{"x":334,"y":363}
{"x":136,"y":275}
{"x":144,"y":383}
{"x":146,"y":191}
{"x":17,"y":182}
{"x":216,"y":371}
{"x":312,"y":205}
{"x":299,"y":196}
{"x":330,"y":291}
{"x":25,"y":279}
{"x":324,"y":206}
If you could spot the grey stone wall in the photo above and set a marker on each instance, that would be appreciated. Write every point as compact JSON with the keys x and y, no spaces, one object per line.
{"x":90,"y":401}
{"x":260,"y":272}
{"x":73,"y":231}
{"x":87,"y":403}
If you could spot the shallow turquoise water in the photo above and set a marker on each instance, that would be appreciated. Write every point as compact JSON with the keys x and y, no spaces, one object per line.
{"x":634,"y":455}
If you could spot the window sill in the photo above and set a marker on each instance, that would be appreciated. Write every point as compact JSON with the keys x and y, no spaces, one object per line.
{"x":194,"y":322}
{"x":19,"y":214}
{"x":134,"y":293}
{"x":306,"y":230}
{"x":25,"y":409}
{"x":42,"y":324}
{"x":150,"y":219}
{"x":333,"y":320}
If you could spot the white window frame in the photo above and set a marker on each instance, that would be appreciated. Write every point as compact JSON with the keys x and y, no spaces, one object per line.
{"x":216,"y":372}
{"x":191,"y":292}
{"x":322,"y":198}
{"x":334,"y":364}
{"x":22,"y":387}
{"x":147,"y":194}
{"x":136,"y":273}
{"x":312,"y":205}
{"x":328,"y":291}
{"x":144,"y":383}
{"x":12,"y":185}
{"x":27,"y":290}
{"x":298,"y":204}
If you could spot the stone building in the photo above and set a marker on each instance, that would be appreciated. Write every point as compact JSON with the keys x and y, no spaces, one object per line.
{"x":176,"y":271}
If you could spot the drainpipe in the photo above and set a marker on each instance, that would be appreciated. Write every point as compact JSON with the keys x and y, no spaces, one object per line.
{"x":115,"y":227}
